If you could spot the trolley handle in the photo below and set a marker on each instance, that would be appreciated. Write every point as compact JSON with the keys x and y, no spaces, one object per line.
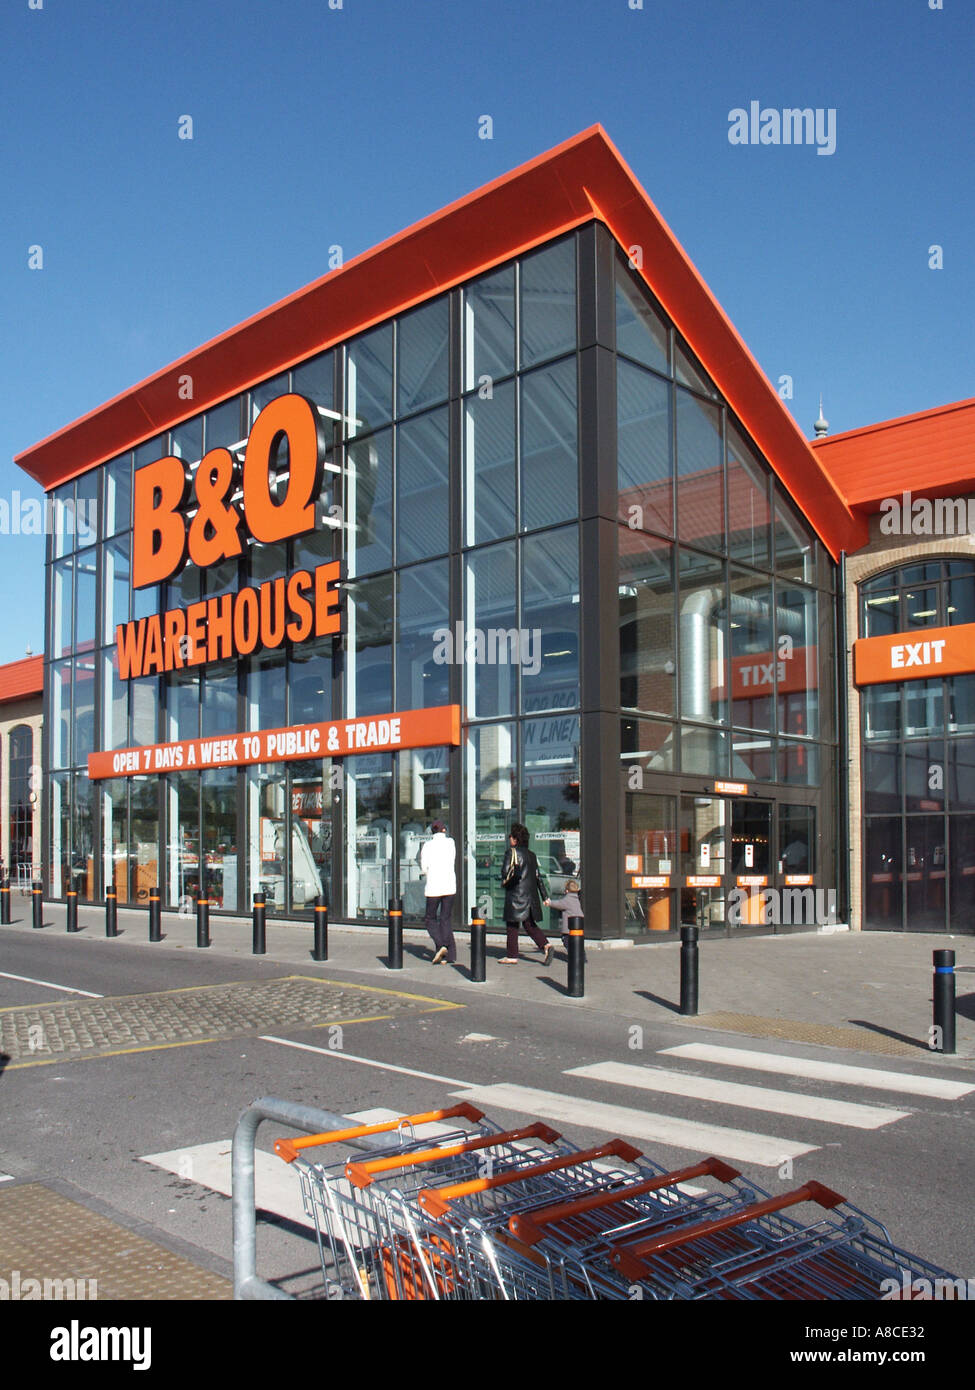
{"x":437,"y":1201}
{"x":360,"y":1173}
{"x":630,"y":1259}
{"x":288,"y":1149}
{"x":528,"y":1228}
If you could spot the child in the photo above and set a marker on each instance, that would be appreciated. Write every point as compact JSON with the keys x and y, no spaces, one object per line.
{"x":569,"y":906}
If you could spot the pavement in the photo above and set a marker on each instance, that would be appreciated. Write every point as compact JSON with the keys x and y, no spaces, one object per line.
{"x":867,"y":993}
{"x":860,"y":991}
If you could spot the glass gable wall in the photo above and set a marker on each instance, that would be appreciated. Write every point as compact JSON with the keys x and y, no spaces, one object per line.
{"x":455,"y":490}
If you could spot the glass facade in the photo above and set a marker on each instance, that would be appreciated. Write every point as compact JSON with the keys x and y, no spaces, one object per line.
{"x":463,"y":489}
{"x":918,"y":761}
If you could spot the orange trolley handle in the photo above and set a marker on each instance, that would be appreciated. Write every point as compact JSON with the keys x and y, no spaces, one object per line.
{"x":360,"y":1173}
{"x":288,"y":1149}
{"x":630,"y":1260}
{"x":528,"y":1228}
{"x":437,"y":1200}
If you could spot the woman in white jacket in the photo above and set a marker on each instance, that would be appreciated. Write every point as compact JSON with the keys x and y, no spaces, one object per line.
{"x":437,"y":864}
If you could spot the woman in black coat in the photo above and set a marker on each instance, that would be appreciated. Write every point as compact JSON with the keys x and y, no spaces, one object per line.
{"x":523,"y":894}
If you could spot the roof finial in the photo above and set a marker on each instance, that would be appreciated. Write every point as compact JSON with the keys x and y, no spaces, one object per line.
{"x":29,"y":652}
{"x":821,"y":426}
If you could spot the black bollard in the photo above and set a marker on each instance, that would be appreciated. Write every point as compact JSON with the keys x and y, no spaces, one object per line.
{"x":155,"y":915}
{"x":478,"y":946}
{"x":688,"y":970}
{"x":576,"y":987}
{"x":72,"y":912}
{"x":111,"y":910}
{"x":202,"y":922}
{"x":5,"y":903}
{"x":258,"y":946}
{"x":37,"y":894}
{"x":320,"y":951}
{"x":944,"y":1001}
{"x":394,"y":955}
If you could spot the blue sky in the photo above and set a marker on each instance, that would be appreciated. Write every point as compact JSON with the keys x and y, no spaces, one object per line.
{"x":314,"y":126}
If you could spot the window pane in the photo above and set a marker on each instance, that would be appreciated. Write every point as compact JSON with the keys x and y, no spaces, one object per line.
{"x":115,"y":703}
{"x":548,"y":302}
{"x":218,"y":822}
{"x":793,"y":544}
{"x":961,"y":600}
{"x":797,"y":651}
{"x":316,"y":380}
{"x":881,"y":706}
{"x":84,"y":709}
{"x":221,"y":425}
{"x":59,"y":686}
{"x":881,"y":614}
{"x":961,"y":704}
{"x":370,"y":619}
{"x":924,"y":775}
{"x":489,"y":327}
{"x":754,"y":655}
{"x":703,"y":641}
{"x":423,"y":614}
{"x":921,"y":607}
{"x":118,"y":495}
{"x":267,"y":691}
{"x":490,"y":608}
{"x":549,"y":447}
{"x":423,"y":489}
{"x":423,"y":356}
{"x":882,"y":779}
{"x":640,"y":333}
{"x":649,"y":745}
{"x":369,"y":503}
{"x":748,"y":505}
{"x":117,"y":586}
{"x":797,"y":839}
{"x":64,"y":519}
{"x":86,"y":521}
{"x":924,"y":873}
{"x":186,"y":440}
{"x":491,"y":758}
{"x":549,"y":642}
{"x":704,"y":751}
{"x":962,"y":831}
{"x":62,"y":601}
{"x":645,"y":450}
{"x":268,"y":391}
{"x":310,"y":682}
{"x":370,"y":380}
{"x":369,"y":864}
{"x":183,"y":705}
{"x":923,"y":707}
{"x":700,"y":475}
{"x":489,"y":450}
{"x":84,"y":636}
{"x":799,"y":763}
{"x":550,"y":800}
{"x":648,"y":660}
{"x":882,"y":906}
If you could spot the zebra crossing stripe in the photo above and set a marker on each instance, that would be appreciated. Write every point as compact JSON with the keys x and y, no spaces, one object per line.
{"x":676,"y":1083}
{"x":871,"y":1078}
{"x":764,"y":1150}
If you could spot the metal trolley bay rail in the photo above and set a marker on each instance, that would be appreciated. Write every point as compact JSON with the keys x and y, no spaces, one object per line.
{"x":447,"y":1205}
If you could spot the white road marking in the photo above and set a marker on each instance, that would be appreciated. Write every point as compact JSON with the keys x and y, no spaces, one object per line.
{"x":336,"y":1055}
{"x":868,"y":1077}
{"x":762,"y":1149}
{"x":26,"y":979}
{"x":676,"y":1083}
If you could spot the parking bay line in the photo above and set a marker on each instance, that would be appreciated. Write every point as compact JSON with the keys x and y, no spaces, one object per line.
{"x":335,"y":1054}
{"x":814,"y":1070}
{"x":47,"y":984}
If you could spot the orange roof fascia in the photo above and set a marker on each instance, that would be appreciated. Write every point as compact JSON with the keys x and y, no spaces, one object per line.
{"x":583,"y":179}
{"x":21,"y":679}
{"x":927,"y":453}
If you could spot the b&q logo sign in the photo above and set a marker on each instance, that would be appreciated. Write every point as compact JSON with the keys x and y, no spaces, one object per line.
{"x":303,"y":606}
{"x":919,"y":655}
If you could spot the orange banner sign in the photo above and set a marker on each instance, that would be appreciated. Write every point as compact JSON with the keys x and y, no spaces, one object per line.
{"x":907,"y":656}
{"x":731,"y":788}
{"x":415,"y":728}
{"x":651,"y":881}
{"x":751,"y":881}
{"x":702,"y":881}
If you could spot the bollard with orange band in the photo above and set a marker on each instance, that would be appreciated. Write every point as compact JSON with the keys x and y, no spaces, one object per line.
{"x":111,"y":910}
{"x":320,"y":951}
{"x":202,"y":922}
{"x":71,"y":915}
{"x":155,"y":915}
{"x":37,"y":894}
{"x":478,"y":946}
{"x":576,"y":987}
{"x":258,"y":925}
{"x":5,"y":902}
{"x":394,"y":954}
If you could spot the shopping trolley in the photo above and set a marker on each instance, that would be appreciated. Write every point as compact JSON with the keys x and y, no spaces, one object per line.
{"x":482,"y":1212}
